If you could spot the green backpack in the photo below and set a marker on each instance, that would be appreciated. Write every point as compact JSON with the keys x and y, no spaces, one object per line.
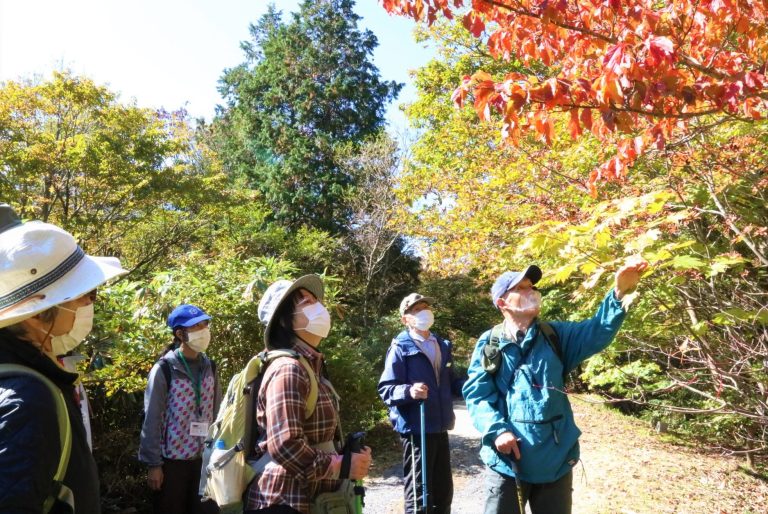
{"x":61,"y":493}
{"x":226,"y":471}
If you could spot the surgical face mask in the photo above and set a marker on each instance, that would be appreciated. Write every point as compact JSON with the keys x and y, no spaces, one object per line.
{"x":199,"y":339}
{"x":423,"y":319}
{"x":318,"y":319}
{"x":529,"y":302}
{"x":82,"y":326}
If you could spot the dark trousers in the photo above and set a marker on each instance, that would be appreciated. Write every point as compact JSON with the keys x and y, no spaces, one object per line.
{"x":439,"y":479}
{"x":550,"y":498}
{"x":179,"y":492}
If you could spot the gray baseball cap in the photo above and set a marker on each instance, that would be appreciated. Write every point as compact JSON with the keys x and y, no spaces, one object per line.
{"x":412,"y":299}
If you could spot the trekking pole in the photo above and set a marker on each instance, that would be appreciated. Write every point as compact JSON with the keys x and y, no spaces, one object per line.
{"x":424,"y":495}
{"x":519,"y":487}
{"x":355,"y":445}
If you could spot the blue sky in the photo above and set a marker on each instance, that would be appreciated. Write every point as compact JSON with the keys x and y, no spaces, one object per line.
{"x":168,"y":53}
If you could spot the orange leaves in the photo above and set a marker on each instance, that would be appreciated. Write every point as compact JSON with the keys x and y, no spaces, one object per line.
{"x":586,"y":118}
{"x":484,"y":92}
{"x":636,"y":62}
{"x":543,"y":124}
{"x":574,"y":126}
{"x":618,"y":60}
{"x":474,"y":24}
{"x":660,"y":51}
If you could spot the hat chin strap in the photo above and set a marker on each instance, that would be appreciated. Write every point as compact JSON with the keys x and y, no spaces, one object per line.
{"x":41,"y":345}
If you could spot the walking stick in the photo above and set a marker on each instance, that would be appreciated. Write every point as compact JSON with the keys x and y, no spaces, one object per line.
{"x":519,"y":487}
{"x":424,"y":495}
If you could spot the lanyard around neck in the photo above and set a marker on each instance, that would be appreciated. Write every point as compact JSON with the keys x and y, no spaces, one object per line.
{"x":197,"y":386}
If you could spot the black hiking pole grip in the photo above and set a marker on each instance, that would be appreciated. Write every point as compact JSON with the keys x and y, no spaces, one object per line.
{"x":354,"y":445}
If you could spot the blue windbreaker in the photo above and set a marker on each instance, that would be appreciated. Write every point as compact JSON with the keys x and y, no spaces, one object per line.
{"x":405,"y":365}
{"x":526,"y":396}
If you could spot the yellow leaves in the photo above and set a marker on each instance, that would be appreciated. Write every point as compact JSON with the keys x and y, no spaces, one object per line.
{"x":593,"y":279}
{"x":643,"y":241}
{"x":561,"y":274}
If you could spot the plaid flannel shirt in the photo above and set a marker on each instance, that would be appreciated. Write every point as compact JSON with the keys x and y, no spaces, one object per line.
{"x":298,"y":472}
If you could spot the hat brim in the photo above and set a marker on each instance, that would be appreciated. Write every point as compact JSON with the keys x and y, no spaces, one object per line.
{"x":194,"y":321}
{"x":533,"y":273}
{"x":311,"y":283}
{"x":90,"y":273}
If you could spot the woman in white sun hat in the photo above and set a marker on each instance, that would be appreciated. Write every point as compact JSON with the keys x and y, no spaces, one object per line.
{"x":47,"y":290}
{"x":295,"y":455}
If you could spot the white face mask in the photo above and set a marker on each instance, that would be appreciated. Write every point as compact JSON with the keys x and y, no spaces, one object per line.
{"x":82,"y":326}
{"x":529,"y":303}
{"x":422,"y":320}
{"x":318,"y":319}
{"x":199,"y":339}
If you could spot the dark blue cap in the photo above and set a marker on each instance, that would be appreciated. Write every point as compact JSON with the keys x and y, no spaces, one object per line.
{"x":186,"y":315}
{"x":510,"y":279}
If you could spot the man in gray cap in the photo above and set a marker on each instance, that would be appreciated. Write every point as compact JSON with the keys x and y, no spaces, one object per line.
{"x":418,"y":369}
{"x":515,"y":393}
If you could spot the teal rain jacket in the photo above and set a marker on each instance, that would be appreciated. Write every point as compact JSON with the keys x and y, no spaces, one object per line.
{"x":526,"y":396}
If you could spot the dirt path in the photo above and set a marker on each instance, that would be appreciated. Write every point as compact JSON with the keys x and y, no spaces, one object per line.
{"x":626,"y":469}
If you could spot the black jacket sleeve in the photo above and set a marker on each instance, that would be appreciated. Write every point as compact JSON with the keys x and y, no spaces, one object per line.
{"x":29,"y":445}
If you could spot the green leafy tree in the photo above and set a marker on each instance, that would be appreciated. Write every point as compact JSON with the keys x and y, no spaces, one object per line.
{"x":307,"y":85}
{"x":127,"y":181}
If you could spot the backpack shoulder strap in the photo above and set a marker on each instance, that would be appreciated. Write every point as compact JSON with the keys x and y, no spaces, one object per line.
{"x":60,"y":492}
{"x":313,"y":387}
{"x":491,"y":357}
{"x":554,"y":341}
{"x":552,"y":338}
{"x":165,"y":367}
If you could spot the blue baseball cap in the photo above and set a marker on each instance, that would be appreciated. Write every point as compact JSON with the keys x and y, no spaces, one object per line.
{"x":510,"y":279}
{"x":186,"y":315}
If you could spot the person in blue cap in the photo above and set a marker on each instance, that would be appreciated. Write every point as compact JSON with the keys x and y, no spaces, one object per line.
{"x":181,"y":400}
{"x":515,"y":395}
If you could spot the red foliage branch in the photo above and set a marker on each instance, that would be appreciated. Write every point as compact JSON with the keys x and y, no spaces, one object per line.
{"x":642,"y":68}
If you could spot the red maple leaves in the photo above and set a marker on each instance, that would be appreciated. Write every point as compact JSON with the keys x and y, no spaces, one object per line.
{"x":635,"y":73}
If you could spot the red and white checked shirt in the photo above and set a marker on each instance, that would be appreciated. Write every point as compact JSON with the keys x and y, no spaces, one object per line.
{"x":298,"y":472}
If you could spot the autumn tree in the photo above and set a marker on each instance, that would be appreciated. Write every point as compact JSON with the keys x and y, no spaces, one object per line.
{"x":639,"y":75}
{"x":307,"y":86}
{"x":692,"y":352}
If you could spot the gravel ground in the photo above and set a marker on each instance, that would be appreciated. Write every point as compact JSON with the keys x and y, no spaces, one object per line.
{"x":384,"y":491}
{"x":627,"y":469}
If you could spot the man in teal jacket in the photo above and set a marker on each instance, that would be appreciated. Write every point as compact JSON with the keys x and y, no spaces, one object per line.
{"x":529,"y":437}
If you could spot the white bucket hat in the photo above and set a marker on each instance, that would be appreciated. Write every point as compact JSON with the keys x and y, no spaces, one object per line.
{"x":41,"y":266}
{"x":282,"y":289}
